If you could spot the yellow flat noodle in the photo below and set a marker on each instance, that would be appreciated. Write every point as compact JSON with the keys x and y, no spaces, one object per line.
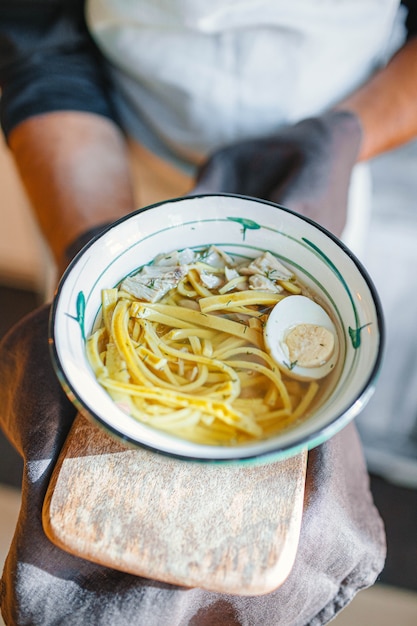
{"x":152,"y":340}
{"x":224,"y":391}
{"x":166,"y":314}
{"x":109,"y":299}
{"x":217,"y":377}
{"x":93,"y":353}
{"x":249,"y":350}
{"x":178,"y":334}
{"x":116,"y":366}
{"x":276,"y":379}
{"x":251,"y":406}
{"x":198,"y":382}
{"x":124,"y":344}
{"x":149,"y":410}
{"x":241,"y":298}
{"x":271,"y":396}
{"x":256,"y":324}
{"x":167,"y":420}
{"x":290,"y":286}
{"x":140,"y":373}
{"x":195,"y":344}
{"x":273,"y":373}
{"x":276,"y":423}
{"x":173,"y":382}
{"x":151,"y":359}
{"x":221,"y":410}
{"x":117,"y":369}
{"x":194,"y":278}
{"x":210,"y":362}
{"x":255,"y":388}
{"x":176,"y":299}
{"x":207,"y":347}
{"x":178,"y":415}
{"x":184,"y":290}
{"x":178,"y":419}
{"x":146,"y":311}
{"x":125,"y":295}
{"x":234,"y":282}
{"x":243,"y":310}
{"x":306,"y":400}
{"x":278,"y":414}
{"x":136,"y":331}
{"x":150,"y":336}
{"x":227,"y":344}
{"x":251,"y":379}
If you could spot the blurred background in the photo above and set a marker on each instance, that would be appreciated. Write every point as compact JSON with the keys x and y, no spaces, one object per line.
{"x":388,"y":425}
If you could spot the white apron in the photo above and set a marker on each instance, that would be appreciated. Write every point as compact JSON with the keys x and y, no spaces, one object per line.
{"x":197,"y":74}
{"x":193,"y":75}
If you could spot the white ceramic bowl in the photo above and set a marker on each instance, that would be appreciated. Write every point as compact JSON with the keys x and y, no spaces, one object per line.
{"x":241,"y":226}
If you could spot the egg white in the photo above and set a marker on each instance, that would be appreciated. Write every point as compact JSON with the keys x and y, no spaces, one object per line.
{"x":286,"y":315}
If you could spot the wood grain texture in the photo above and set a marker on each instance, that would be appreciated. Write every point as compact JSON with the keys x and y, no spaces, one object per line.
{"x":222,"y":528}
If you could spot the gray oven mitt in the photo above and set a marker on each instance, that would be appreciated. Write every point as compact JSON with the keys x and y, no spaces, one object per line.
{"x":341,"y":549}
{"x":306,"y":167}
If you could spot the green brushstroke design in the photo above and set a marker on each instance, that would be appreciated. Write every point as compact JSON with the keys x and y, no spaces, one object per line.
{"x":246,"y":224}
{"x":354,"y":333}
{"x":80,"y":309}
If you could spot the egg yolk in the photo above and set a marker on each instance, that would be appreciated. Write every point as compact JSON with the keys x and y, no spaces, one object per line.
{"x":310,"y":345}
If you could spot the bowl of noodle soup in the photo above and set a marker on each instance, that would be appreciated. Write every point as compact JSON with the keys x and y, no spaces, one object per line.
{"x":157,"y":330}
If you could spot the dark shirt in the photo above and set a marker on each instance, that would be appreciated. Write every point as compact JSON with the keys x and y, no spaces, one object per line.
{"x":49,"y":62}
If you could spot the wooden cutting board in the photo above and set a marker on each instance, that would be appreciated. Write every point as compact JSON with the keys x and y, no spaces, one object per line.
{"x":230,"y":529}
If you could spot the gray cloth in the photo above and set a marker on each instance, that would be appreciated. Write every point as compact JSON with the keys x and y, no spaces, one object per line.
{"x":341,"y":549}
{"x":388,"y":425}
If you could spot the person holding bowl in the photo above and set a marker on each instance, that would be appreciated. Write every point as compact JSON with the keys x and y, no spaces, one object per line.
{"x":108,"y":106}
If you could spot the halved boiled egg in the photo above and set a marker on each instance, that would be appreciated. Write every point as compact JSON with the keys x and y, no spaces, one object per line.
{"x":302,"y":339}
